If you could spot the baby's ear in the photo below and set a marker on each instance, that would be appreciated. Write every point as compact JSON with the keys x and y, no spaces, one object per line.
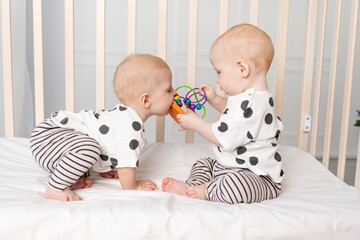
{"x":145,"y":100}
{"x":243,"y":67}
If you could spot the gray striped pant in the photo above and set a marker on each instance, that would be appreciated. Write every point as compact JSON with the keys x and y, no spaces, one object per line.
{"x":232,"y":185}
{"x":68,"y":155}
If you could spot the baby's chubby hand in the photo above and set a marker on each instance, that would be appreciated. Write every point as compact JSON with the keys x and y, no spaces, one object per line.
{"x":146,"y":185}
{"x":187,"y":121}
{"x":210,"y":91}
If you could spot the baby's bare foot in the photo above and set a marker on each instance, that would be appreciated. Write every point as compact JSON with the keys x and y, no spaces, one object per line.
{"x":196,"y":192}
{"x":82,"y":183}
{"x":65,"y":195}
{"x":174,"y":186}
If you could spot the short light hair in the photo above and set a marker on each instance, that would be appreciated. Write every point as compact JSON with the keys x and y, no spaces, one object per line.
{"x":134,"y":76}
{"x":249,"y":42}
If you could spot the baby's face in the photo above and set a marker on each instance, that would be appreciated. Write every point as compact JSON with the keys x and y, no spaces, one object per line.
{"x":228,"y":72}
{"x":163,"y":93}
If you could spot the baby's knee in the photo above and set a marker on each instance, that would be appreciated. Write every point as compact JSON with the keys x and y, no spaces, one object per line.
{"x":90,"y":150}
{"x":232,"y":191}
{"x":207,"y":163}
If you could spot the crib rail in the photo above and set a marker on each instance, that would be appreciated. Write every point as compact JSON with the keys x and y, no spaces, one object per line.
{"x":100,"y":54}
{"x":312,"y":62}
{"x":38,"y":61}
{"x":69,"y":56}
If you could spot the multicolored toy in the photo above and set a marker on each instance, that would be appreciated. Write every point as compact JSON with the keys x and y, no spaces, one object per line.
{"x":357,"y":123}
{"x":180,"y":101}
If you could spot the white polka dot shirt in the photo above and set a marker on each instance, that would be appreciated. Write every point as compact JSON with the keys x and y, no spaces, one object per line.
{"x":247,"y":131}
{"x":119,"y":132}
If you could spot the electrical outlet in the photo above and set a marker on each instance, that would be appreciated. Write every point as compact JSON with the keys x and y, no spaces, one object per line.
{"x":307,"y":123}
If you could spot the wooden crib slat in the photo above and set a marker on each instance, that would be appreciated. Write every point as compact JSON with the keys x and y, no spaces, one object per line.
{"x":349,"y":74}
{"x":319,"y":69}
{"x":357,"y":171}
{"x":38,"y":61}
{"x":69,"y":56}
{"x":162,"y":28}
{"x":223,"y":16}
{"x":281,"y":56}
{"x":308,"y":68}
{"x":7,"y":68}
{"x":162,"y":44}
{"x":192,"y":53}
{"x":131,"y":27}
{"x":254,"y":12}
{"x":223,"y":26}
{"x":100,"y":54}
{"x":332,"y":83}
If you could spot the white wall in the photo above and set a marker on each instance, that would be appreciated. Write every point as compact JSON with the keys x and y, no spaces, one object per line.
{"x":177,"y":55}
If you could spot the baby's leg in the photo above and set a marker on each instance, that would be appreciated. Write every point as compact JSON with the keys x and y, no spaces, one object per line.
{"x":174,"y":186}
{"x":198,"y":191}
{"x":241,"y":186}
{"x":67,"y":155}
{"x":78,"y":160}
{"x":65,"y":195}
{"x":200,"y":174}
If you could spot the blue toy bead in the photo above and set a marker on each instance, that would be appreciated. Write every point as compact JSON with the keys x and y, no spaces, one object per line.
{"x":191,"y":99}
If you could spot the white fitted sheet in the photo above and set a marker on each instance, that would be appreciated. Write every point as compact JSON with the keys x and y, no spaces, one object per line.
{"x":314,"y":204}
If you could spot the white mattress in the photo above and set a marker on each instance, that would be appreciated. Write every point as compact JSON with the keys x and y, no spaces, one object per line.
{"x":314,"y":204}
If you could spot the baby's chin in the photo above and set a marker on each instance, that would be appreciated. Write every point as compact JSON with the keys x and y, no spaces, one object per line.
{"x":164,"y":113}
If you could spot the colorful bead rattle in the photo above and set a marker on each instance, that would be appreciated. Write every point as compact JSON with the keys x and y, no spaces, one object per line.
{"x":180,"y":101}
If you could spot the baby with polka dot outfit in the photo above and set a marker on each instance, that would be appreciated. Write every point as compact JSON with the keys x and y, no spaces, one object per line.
{"x":68,"y":144}
{"x":247,"y":167}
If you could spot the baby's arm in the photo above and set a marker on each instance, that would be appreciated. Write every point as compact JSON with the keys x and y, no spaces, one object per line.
{"x":191,"y":121}
{"x":127,"y":177}
{"x":109,"y":174}
{"x":216,"y":101}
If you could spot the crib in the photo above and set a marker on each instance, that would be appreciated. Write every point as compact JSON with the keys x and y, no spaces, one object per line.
{"x":315,"y":202}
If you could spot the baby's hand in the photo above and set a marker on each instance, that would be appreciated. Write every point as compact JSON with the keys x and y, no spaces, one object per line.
{"x":110,"y":174}
{"x":210,"y":91}
{"x":146,"y":185}
{"x":187,"y":121}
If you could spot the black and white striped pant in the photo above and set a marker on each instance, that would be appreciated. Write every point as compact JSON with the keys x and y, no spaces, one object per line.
{"x":232,"y":185}
{"x":68,"y":155}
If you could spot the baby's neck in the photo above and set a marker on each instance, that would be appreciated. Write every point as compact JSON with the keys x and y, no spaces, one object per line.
{"x":261,"y":87}
{"x":139,"y":110}
{"x":258,"y":82}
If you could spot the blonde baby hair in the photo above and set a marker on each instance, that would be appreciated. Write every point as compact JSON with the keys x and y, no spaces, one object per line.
{"x":250,"y":43}
{"x":134,"y":76}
